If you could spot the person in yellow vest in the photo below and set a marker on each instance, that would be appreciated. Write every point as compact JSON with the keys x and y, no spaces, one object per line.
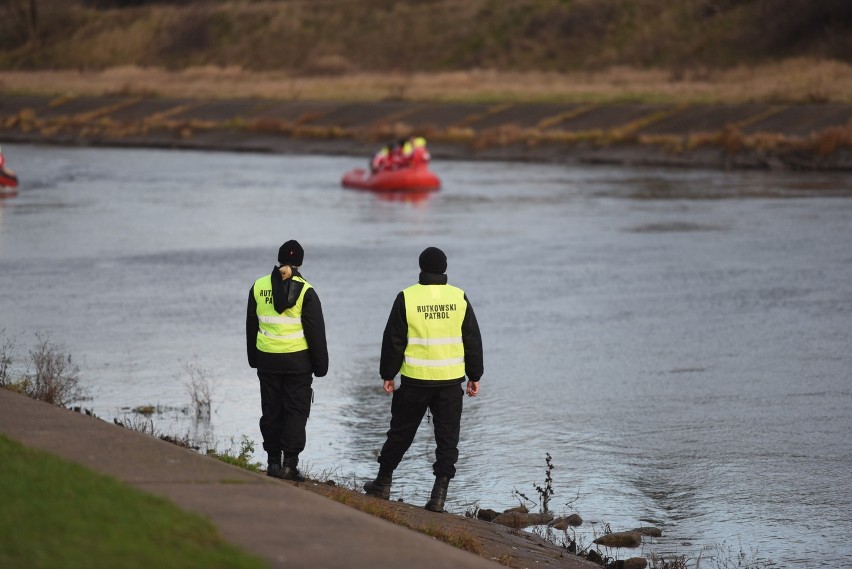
{"x":285,"y":340}
{"x":432,"y":340}
{"x":419,"y":154}
{"x":381,"y":159}
{"x":406,"y":152}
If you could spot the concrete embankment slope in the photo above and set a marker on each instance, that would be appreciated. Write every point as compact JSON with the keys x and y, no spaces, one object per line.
{"x":754,"y":135}
{"x":287,"y":526}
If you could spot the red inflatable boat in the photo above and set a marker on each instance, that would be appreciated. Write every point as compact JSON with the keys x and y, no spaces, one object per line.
{"x":8,"y":179}
{"x":8,"y":183}
{"x":411,"y":179}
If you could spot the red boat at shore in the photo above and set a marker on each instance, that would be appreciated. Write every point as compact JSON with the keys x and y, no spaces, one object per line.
{"x":8,"y":179}
{"x":418,"y":178}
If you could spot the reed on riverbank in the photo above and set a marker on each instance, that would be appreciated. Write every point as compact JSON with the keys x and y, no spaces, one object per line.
{"x":786,"y":82}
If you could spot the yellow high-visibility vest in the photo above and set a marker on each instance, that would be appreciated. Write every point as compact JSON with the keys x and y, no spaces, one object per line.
{"x":435,"y":350}
{"x":279,"y":333}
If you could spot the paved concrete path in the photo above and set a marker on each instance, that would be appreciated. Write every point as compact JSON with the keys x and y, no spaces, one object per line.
{"x":287,"y":526}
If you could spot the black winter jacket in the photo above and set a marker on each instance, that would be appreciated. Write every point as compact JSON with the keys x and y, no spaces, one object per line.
{"x":284,"y":295}
{"x":395,"y":340}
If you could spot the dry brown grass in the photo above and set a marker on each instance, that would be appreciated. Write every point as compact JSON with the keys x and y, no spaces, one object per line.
{"x":731,"y":138}
{"x":791,"y":81}
{"x":367,"y":505}
{"x":830,"y":140}
{"x":460,"y":538}
{"x":796,"y":81}
{"x":390,"y":511}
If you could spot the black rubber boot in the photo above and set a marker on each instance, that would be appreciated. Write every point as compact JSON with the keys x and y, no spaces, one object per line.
{"x":380,"y":487}
{"x":289,"y":470}
{"x":439,"y":494}
{"x":273,"y":464}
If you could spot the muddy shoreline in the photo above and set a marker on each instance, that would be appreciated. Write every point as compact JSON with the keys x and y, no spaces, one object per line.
{"x":509,"y":546}
{"x":742,"y":136}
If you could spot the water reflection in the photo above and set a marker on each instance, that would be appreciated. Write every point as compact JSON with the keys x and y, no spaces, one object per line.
{"x":413,"y":197}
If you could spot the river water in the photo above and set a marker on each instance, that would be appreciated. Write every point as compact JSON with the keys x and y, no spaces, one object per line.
{"x":677,"y":341}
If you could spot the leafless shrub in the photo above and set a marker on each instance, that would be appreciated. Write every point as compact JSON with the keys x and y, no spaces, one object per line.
{"x":183,"y":440}
{"x":671,"y":562}
{"x":728,"y":557}
{"x":142,"y":425}
{"x":56,"y":379}
{"x":200,"y":388}
{"x":145,"y":425}
{"x":7,"y":349}
{"x":546,"y":492}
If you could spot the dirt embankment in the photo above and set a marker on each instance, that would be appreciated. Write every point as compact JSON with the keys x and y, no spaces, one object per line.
{"x":748,"y":135}
{"x":511,"y":547}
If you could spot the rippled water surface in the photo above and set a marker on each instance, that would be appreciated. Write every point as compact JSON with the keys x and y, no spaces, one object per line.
{"x":677,"y":341}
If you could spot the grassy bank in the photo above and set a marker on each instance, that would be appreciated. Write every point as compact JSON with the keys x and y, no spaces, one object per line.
{"x":342,"y":36}
{"x":788,"y":82}
{"x":594,"y":51}
{"x":59,"y":514}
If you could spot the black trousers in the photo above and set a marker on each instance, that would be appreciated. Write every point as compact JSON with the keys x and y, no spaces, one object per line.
{"x":409,"y":404}
{"x":285,"y":402}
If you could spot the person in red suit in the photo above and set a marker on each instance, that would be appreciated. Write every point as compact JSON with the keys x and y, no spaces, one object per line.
{"x":419,"y":153}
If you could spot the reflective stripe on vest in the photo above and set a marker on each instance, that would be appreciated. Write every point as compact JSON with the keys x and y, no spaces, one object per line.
{"x":279,"y":333}
{"x":435,"y":350}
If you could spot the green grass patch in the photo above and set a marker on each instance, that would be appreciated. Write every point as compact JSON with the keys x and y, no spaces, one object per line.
{"x":242,"y":458}
{"x":59,"y":514}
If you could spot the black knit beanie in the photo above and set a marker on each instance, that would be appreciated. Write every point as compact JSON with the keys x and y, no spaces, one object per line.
{"x":291,"y":253}
{"x":433,"y":260}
